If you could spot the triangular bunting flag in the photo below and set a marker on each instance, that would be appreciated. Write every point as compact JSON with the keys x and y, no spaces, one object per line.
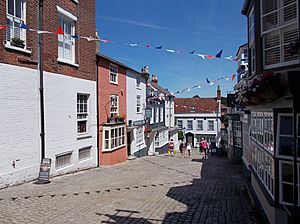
{"x":59,"y":31}
{"x":233,"y":77}
{"x":160,"y":47}
{"x":219,"y":54}
{"x":227,"y":78}
{"x":207,"y":80}
{"x":148,"y":46}
{"x":3,"y":27}
{"x":76,"y":36}
{"x":133,"y":45}
{"x":105,"y":41}
{"x":201,"y":55}
{"x":23,"y":26}
{"x":210,"y":57}
{"x":42,"y":32}
{"x":192,"y":52}
{"x":170,"y":50}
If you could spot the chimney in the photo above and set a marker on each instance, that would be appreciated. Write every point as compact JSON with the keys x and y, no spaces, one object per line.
{"x":145,"y":71}
{"x":154,"y":79}
{"x":218,"y":93}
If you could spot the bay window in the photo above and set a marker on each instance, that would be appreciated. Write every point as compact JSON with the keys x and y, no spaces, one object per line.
{"x":279,"y":19}
{"x":114,"y":137}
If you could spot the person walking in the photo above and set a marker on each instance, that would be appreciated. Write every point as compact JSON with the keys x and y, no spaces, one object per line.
{"x":181,"y":148}
{"x":189,"y":148}
{"x":204,"y":147}
{"x":171,"y":147}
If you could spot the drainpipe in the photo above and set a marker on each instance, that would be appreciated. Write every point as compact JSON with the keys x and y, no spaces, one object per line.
{"x":40,"y":67}
{"x":97,"y":98}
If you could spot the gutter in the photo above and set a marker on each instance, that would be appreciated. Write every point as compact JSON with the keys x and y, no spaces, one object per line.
{"x":97,"y":96}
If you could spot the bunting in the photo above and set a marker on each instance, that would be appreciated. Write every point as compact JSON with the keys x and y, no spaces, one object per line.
{"x":60,"y":31}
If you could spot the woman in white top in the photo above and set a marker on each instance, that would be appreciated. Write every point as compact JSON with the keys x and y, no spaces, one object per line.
{"x":189,"y":148}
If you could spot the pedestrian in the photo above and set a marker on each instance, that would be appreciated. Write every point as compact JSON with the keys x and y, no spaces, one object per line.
{"x":189,"y":148}
{"x":171,"y":147}
{"x":181,"y":148}
{"x":204,"y":146}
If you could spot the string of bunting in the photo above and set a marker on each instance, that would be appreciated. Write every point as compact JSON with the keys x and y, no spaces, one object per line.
{"x":60,"y":31}
{"x":208,"y":82}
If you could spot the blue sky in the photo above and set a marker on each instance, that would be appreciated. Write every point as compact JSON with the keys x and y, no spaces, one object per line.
{"x":206,"y":26}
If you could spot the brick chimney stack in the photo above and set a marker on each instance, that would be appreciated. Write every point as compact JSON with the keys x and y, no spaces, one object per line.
{"x":218,"y":93}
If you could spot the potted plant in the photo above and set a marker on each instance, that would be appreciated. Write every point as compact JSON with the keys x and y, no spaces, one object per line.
{"x":16,"y":41}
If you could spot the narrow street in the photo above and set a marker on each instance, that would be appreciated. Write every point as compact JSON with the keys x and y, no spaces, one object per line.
{"x":160,"y":189}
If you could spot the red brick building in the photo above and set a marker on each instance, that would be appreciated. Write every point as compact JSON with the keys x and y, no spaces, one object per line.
{"x":69,"y":88}
{"x":111,"y":110}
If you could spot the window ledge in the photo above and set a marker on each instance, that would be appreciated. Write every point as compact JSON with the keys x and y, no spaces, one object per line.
{"x":114,"y":83}
{"x":68,"y":62}
{"x":114,"y":149}
{"x":79,"y":137}
{"x":17,"y":49}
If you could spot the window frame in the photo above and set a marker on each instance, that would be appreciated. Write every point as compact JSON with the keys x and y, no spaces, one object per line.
{"x":113,"y":73}
{"x":113,"y":114}
{"x":191,"y":126}
{"x":66,"y":17}
{"x":120,"y":140}
{"x":138,"y":104}
{"x":12,"y":18}
{"x":213,"y":125}
{"x":83,"y":113}
{"x":278,"y":135}
{"x":180,"y":121}
{"x":280,"y":27}
{"x":161,"y":114}
{"x":66,"y":165}
{"x":200,"y":122}
{"x":157,"y":115}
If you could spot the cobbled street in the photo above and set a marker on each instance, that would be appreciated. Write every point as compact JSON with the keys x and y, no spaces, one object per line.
{"x":158,"y":189}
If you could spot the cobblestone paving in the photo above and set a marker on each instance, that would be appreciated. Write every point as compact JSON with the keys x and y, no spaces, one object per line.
{"x":160,"y":189}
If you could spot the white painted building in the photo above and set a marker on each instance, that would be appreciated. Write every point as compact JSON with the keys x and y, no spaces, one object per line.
{"x":136,"y":104}
{"x":199,"y":118}
{"x":20,"y":124}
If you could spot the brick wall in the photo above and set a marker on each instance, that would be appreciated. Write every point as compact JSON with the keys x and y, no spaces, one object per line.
{"x":105,"y":90}
{"x":84,"y":50}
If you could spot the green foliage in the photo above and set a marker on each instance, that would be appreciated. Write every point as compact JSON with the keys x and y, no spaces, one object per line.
{"x":180,"y":135}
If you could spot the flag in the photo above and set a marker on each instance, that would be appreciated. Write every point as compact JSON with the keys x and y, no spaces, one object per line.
{"x":233,"y":77}
{"x":59,"y":31}
{"x":76,"y":36}
{"x":170,"y":50}
{"x":160,"y":47}
{"x":219,"y":54}
{"x":148,"y":46}
{"x":42,"y":31}
{"x":23,"y":26}
{"x":207,"y":80}
{"x":105,"y":41}
{"x":227,"y":78}
{"x":192,"y":52}
{"x":201,"y":55}
{"x":210,"y":57}
{"x":3,"y":27}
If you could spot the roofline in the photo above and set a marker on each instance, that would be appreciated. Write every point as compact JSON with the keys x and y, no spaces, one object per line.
{"x":243,"y":45}
{"x":118,"y":63}
{"x":245,"y":7}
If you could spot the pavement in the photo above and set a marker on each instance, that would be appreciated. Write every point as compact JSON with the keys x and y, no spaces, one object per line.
{"x":155,"y":189}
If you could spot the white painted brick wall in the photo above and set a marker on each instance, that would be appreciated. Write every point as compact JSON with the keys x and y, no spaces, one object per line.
{"x":20,"y":122}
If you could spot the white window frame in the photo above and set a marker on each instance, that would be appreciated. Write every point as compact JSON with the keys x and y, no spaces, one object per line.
{"x":113,"y":106}
{"x":191,"y":126}
{"x":152,"y":116}
{"x":83,"y":115}
{"x":280,"y":27}
{"x":237,"y":130}
{"x":161,"y":138}
{"x":138,"y":104}
{"x":278,"y":135}
{"x":213,"y":125}
{"x":13,"y":18}
{"x":119,"y":140}
{"x":138,"y":82}
{"x":180,"y":121}
{"x":157,"y":115}
{"x":161,"y":114}
{"x":252,"y":40}
{"x":200,"y":127}
{"x":139,"y":136}
{"x":66,"y":17}
{"x":113,"y":72}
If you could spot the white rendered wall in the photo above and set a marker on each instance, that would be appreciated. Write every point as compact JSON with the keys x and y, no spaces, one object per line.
{"x":61,"y":121}
{"x":20,"y":122}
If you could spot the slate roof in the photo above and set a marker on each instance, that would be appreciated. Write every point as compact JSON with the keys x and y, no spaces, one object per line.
{"x":200,"y":105}
{"x":159,"y":88}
